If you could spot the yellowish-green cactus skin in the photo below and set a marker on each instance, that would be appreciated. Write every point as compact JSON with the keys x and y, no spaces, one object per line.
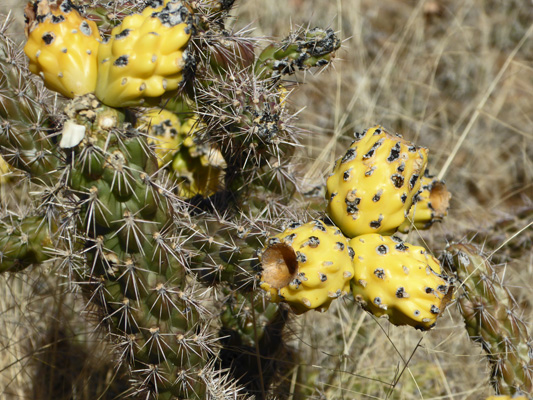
{"x":165,"y":132}
{"x":398,"y":280}
{"x":431,"y":205}
{"x":4,"y":171}
{"x":504,"y":397}
{"x":144,"y":57}
{"x":307,"y":266}
{"x":196,"y":168}
{"x":62,"y":47}
{"x":372,"y":186}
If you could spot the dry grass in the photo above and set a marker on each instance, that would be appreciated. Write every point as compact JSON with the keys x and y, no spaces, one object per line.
{"x":455,"y":76}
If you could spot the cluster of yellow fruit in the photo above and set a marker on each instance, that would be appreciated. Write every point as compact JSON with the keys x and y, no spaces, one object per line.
{"x":142,"y":60}
{"x":380,"y":186}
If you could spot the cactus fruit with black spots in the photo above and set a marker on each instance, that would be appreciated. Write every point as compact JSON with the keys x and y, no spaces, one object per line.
{"x":195,"y":168}
{"x":492,"y":318}
{"x":398,"y":280}
{"x":372,"y":187}
{"x":430,"y":205}
{"x":62,"y":47}
{"x":307,"y":266}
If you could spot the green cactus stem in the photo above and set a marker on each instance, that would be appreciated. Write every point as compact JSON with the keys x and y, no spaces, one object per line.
{"x":23,"y":241}
{"x":491,"y":318}
{"x":300,"y":51}
{"x":26,"y":142}
{"x":253,"y":347}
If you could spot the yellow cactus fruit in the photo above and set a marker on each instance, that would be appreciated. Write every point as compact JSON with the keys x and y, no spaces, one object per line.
{"x":145,"y":56}
{"x":307,"y":266}
{"x":196,"y":168}
{"x":430,"y":205}
{"x":505,"y":397}
{"x":164,"y":132}
{"x":398,"y":280}
{"x":62,"y":47}
{"x":372,"y":186}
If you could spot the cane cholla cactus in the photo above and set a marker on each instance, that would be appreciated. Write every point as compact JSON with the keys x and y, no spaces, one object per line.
{"x":491,"y":318}
{"x":148,"y":261}
{"x":62,"y":47}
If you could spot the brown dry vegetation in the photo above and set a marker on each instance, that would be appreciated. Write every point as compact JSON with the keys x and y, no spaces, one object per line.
{"x":455,"y":76}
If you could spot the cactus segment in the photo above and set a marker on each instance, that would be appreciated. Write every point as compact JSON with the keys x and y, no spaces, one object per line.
{"x":253,"y":348}
{"x":373,"y":185}
{"x":62,"y":47}
{"x":298,"y":52}
{"x":136,"y":275}
{"x":25,"y":141}
{"x":492,"y":318}
{"x":24,"y":242}
{"x":145,"y":56}
{"x":247,"y":318}
{"x":430,"y":205}
{"x":398,"y":280}
{"x":307,"y":266}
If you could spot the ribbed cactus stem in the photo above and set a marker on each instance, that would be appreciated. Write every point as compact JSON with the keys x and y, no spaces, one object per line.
{"x":136,"y":266}
{"x":25,"y":141}
{"x":252,"y":330}
{"x":492,"y":318}
{"x":225,"y":252}
{"x":24,"y":241}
